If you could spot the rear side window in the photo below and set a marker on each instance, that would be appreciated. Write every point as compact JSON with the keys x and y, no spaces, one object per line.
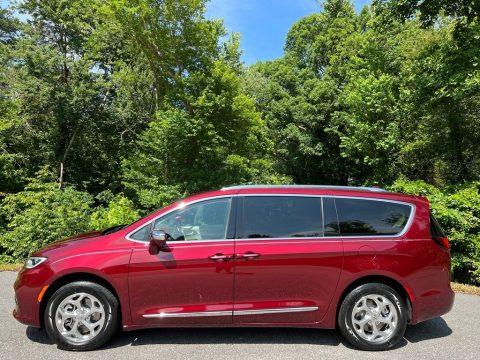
{"x":436,"y":230}
{"x":282,"y":217}
{"x":357,"y":217}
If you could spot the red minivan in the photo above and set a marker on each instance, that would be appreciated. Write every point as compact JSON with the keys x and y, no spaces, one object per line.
{"x":363,"y":260}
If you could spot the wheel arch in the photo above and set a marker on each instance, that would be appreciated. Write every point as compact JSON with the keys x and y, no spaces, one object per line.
{"x":394,"y":284}
{"x":72,"y":277}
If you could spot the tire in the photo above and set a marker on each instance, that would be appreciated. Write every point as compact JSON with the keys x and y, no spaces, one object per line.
{"x":365,"y":304}
{"x":85,"y":312}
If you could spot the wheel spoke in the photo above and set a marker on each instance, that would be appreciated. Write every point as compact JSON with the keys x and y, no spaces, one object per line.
{"x":80,"y":317}
{"x":374,"y":318}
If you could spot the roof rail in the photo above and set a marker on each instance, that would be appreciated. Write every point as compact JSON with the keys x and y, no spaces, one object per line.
{"x":326,"y":187}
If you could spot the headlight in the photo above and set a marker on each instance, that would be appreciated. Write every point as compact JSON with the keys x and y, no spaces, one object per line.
{"x":33,"y":261}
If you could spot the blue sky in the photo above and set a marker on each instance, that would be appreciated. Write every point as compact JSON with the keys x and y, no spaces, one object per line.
{"x":263,"y":24}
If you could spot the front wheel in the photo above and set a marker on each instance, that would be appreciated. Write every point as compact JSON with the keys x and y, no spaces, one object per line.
{"x":81,"y":316}
{"x":373,"y":317}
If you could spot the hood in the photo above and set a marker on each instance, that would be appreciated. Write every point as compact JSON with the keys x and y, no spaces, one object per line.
{"x":80,"y":236}
{"x":71,"y":241}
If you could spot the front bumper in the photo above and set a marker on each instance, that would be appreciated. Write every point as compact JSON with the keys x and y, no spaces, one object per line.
{"x":27,"y":287}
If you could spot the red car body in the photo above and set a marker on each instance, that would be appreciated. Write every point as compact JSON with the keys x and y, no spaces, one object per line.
{"x":310,"y":274}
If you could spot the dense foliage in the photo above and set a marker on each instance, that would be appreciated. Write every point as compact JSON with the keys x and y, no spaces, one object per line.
{"x":111,"y":109}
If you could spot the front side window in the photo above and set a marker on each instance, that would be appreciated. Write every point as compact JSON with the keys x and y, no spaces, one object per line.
{"x":357,"y":217}
{"x":282,"y":217}
{"x":206,"y":220}
{"x":142,"y":233}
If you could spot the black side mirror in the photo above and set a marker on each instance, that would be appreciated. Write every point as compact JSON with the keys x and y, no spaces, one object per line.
{"x":158,"y":239}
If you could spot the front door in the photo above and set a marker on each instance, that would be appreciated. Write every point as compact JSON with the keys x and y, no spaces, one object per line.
{"x":190,"y":281}
{"x":286,"y":270}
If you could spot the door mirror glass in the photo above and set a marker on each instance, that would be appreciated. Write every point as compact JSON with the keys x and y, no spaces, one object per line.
{"x":158,"y":239}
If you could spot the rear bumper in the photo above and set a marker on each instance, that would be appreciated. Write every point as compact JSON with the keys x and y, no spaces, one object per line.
{"x":432,"y":304}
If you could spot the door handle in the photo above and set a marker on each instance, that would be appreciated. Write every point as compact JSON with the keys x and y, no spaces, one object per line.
{"x":248,"y":256}
{"x":220,"y":257}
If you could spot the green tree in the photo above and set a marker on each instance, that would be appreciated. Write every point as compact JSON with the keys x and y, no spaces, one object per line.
{"x":428,"y":10}
{"x":206,"y":132}
{"x":298,"y":94}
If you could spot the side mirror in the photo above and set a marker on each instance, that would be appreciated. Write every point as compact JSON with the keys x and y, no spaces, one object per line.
{"x":158,"y":239}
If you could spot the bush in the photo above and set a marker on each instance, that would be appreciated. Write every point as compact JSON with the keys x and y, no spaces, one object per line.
{"x":457,"y":209}
{"x":120,"y":211}
{"x":41,"y":214}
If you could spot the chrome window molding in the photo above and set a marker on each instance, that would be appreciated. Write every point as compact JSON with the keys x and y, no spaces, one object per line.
{"x":400,"y":234}
{"x":179,"y":206}
{"x":163,"y":315}
{"x":184,"y":204}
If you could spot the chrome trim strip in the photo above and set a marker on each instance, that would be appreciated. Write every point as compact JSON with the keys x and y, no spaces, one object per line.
{"x":183,"y":204}
{"x":400,"y":234}
{"x":275,"y":311}
{"x":179,"y":206}
{"x":189,"y":314}
{"x":234,"y":312}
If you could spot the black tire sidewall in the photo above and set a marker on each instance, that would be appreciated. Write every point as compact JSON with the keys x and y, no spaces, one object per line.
{"x":345,"y":322}
{"x":109,"y":303}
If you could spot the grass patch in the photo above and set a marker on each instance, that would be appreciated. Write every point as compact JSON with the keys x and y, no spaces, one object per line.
{"x":465,"y":289}
{"x":10,"y":267}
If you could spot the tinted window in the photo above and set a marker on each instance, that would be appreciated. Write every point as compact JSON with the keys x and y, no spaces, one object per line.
{"x":282,"y":216}
{"x":435,"y":228}
{"x":206,"y":220}
{"x":370,"y":217}
{"x":330,"y":219}
{"x":142,"y":233}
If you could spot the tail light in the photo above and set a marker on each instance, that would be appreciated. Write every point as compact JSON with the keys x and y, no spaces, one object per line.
{"x":442,"y":241}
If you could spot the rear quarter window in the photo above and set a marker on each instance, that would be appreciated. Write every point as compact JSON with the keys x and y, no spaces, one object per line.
{"x":359,"y":217}
{"x":435,"y":228}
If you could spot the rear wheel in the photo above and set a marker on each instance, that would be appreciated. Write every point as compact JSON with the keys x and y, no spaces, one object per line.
{"x":81,"y":316}
{"x":373,"y":317}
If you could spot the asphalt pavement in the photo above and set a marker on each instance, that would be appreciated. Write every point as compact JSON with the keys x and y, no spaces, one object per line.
{"x":453,"y":336}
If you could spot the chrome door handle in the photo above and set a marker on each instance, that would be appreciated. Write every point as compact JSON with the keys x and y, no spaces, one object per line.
{"x":247,"y":256}
{"x":220,"y":257}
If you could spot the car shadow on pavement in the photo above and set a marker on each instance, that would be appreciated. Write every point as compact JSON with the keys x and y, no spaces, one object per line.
{"x":226,"y":336}
{"x":431,"y":329}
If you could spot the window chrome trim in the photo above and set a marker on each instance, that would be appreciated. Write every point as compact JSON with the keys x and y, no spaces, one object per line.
{"x":181,"y":205}
{"x":340,"y":236}
{"x":164,"y":315}
{"x":400,"y":234}
{"x":184,"y":204}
